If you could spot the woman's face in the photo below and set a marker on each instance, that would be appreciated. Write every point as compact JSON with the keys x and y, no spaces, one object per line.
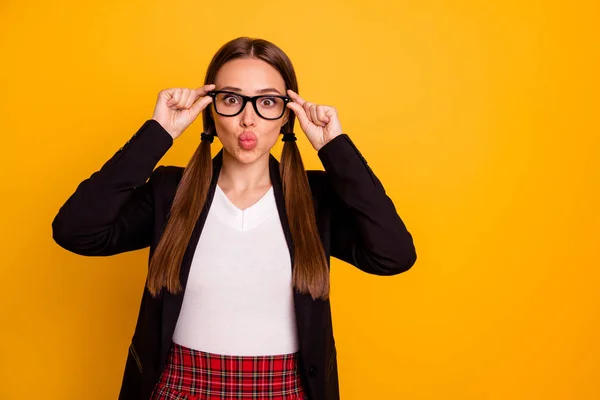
{"x":248,"y":137}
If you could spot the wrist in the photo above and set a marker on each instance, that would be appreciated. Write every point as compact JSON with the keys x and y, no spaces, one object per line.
{"x":326,"y":141}
{"x":174,"y":135}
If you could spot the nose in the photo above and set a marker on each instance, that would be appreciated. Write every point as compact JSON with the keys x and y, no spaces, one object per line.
{"x":248,"y":115}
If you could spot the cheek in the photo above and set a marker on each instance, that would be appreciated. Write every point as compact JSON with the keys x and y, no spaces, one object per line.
{"x":226,"y":127}
{"x":271,"y":132}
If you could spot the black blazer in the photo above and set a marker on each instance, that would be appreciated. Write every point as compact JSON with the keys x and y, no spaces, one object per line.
{"x":118,"y":209}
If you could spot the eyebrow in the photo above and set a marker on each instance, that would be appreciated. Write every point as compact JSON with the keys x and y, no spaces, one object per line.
{"x":236,"y":89}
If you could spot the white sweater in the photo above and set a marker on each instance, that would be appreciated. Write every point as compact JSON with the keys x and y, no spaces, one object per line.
{"x":239,"y":298}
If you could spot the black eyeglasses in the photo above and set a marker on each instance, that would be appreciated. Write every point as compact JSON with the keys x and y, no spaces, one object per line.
{"x":230,"y":104}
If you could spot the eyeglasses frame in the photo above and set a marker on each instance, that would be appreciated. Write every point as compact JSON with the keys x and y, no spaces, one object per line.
{"x":251,"y":99}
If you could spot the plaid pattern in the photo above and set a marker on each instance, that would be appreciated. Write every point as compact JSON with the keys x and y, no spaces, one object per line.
{"x":196,"y":375}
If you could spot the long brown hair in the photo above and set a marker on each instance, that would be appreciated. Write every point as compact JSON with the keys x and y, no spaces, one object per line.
{"x":310,"y":272}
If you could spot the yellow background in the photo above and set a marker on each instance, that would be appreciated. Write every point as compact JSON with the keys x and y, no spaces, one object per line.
{"x":481,"y":119}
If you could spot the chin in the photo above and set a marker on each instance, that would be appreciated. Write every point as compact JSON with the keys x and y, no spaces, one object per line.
{"x":247,"y":156}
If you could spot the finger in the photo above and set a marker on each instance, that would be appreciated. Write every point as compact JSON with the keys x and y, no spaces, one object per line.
{"x":322,"y":115}
{"x":200,"y":105}
{"x":175,"y":97}
{"x":313,"y":115}
{"x":306,"y":107}
{"x":170,"y":100}
{"x":330,"y":112}
{"x":164,"y":96}
{"x":185,"y":96}
{"x":191,"y":98}
{"x":300,"y":113}
{"x":203,"y":90}
{"x":196,"y":94}
{"x":295,"y":97}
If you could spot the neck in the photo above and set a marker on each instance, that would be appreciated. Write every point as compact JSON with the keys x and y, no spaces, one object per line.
{"x":242,"y":177}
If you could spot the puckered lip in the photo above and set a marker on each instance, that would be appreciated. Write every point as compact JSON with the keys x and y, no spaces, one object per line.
{"x":247,"y":136}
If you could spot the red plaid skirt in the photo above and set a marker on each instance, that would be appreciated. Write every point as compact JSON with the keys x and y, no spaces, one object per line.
{"x":196,"y":375}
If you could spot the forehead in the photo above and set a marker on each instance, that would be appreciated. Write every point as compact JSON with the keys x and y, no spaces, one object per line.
{"x":249,"y":74}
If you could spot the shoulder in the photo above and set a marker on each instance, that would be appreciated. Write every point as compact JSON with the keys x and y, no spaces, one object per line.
{"x":166,"y":174}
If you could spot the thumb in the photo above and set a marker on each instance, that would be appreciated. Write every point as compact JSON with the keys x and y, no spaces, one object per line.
{"x":200,"y":105}
{"x":300,"y":113}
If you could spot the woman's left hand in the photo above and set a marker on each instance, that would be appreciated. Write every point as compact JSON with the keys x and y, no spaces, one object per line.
{"x":319,"y":123}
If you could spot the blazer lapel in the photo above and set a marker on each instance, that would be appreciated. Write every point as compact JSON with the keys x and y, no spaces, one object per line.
{"x":280,"y":201}
{"x":172,"y":303}
{"x":302,"y":302}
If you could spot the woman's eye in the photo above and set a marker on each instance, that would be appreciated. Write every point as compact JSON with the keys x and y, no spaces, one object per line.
{"x":231,"y":99}
{"x":268,"y":102}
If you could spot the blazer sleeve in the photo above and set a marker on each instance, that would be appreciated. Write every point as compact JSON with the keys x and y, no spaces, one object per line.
{"x":112,"y":211}
{"x":366,"y":230}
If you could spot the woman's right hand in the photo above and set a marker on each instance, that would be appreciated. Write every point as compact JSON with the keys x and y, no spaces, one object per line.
{"x":177,"y":108}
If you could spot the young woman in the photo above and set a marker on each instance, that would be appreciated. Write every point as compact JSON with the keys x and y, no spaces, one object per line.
{"x":236,"y":302}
